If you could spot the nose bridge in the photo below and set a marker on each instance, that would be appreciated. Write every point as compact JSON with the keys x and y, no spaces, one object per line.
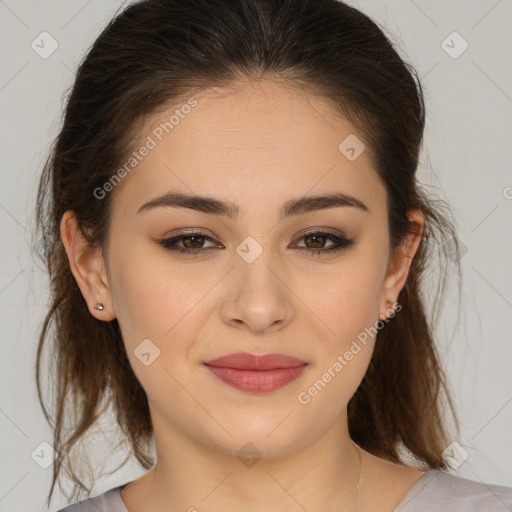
{"x":258,"y":263}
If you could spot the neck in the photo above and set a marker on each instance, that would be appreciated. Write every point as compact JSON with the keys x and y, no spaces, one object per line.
{"x":323,"y":475}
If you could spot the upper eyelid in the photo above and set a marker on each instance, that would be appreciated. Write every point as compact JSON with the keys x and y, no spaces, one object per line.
{"x":319,"y":229}
{"x":181,"y":236}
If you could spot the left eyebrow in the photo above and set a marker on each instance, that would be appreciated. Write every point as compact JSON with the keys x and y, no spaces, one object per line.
{"x":298,"y":206}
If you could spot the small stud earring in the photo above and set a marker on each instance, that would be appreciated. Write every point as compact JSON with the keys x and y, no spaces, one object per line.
{"x":389,"y":306}
{"x":98,"y":306}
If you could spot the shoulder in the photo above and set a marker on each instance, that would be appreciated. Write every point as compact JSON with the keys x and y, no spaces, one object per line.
{"x":440,"y":491}
{"x":109,"y":501}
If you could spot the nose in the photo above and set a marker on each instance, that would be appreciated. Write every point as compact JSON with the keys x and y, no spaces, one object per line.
{"x":258,"y":299}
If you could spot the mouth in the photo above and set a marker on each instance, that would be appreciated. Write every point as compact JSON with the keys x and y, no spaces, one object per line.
{"x":256,"y":373}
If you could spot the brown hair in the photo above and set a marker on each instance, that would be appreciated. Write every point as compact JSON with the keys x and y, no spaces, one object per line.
{"x":157,"y":52}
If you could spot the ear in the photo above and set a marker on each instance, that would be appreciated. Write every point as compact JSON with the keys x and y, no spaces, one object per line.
{"x":88,"y":267}
{"x":400,"y":263}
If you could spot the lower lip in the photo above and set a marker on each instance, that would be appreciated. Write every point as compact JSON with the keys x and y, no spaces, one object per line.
{"x":257,"y":381}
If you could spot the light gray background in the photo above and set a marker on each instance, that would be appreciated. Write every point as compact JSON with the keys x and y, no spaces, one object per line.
{"x":468,"y":156}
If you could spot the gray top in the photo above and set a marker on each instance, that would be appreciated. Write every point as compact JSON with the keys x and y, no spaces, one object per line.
{"x":435,"y":491}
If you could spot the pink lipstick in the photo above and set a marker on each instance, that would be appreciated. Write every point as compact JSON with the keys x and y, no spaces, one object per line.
{"x":256,"y":373}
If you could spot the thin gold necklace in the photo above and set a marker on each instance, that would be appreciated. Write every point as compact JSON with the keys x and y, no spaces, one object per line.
{"x":356,"y":508}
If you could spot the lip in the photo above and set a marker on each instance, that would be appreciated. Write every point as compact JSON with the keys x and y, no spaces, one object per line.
{"x":246,"y":361}
{"x":256,"y":373}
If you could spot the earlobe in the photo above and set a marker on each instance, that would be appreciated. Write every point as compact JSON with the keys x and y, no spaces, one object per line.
{"x":87,"y":265}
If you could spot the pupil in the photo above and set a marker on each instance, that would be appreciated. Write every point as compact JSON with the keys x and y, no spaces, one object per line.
{"x":194,"y":237}
{"x":316,"y":237}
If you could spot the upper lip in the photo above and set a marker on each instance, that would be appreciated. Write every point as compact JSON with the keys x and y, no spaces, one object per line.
{"x":246,"y":361}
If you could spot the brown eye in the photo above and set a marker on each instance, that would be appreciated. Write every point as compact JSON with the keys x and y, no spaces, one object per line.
{"x":192,"y":243}
{"x":197,"y":241}
{"x":316,"y":240}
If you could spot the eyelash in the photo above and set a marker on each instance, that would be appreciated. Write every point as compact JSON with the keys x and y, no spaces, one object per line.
{"x":339,"y":243}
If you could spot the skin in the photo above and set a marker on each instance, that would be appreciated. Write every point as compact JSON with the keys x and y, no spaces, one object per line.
{"x":258,"y":146}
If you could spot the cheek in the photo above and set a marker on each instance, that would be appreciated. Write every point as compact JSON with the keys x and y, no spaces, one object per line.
{"x":349,"y":307}
{"x":157,"y":305}
{"x":350,"y":302}
{"x":152,"y":297}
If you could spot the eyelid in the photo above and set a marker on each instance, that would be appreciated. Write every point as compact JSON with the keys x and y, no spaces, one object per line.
{"x":324,"y":230}
{"x":207,"y":234}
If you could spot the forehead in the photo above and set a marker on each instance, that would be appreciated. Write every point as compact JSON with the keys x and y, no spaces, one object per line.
{"x":261,"y":140}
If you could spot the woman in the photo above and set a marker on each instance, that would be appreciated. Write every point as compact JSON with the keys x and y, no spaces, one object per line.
{"x":237,"y":244}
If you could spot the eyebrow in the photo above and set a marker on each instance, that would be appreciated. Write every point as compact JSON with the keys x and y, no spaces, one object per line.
{"x":231,"y":210}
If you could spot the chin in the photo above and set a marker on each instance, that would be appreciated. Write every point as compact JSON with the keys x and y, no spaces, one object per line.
{"x":270,"y":437}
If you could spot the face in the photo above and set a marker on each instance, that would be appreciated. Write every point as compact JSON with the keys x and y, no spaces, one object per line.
{"x":302,"y":282}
